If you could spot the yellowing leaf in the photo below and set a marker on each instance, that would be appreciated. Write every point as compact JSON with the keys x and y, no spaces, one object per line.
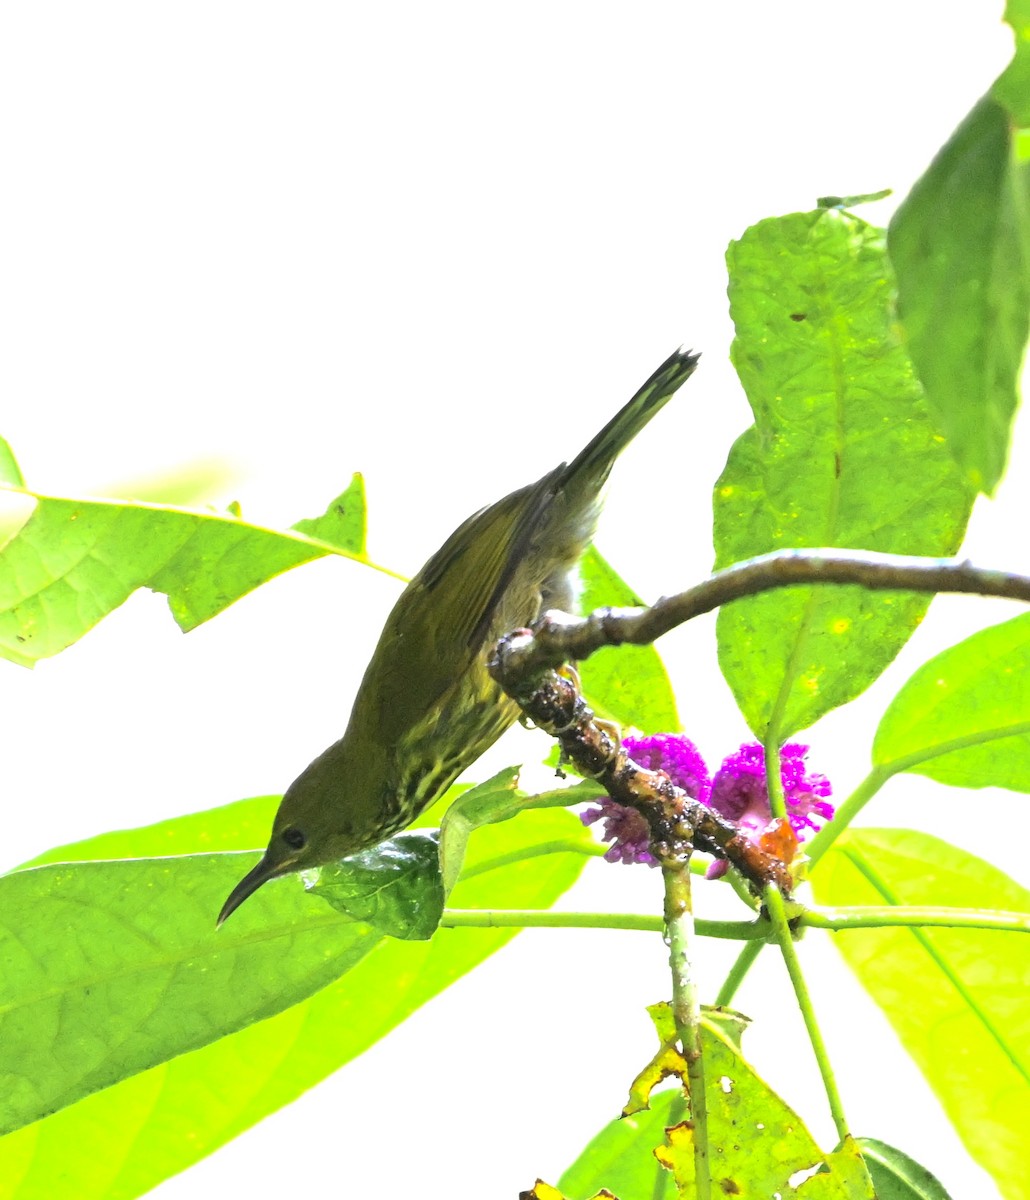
{"x":677,"y":1155}
{"x":667,"y":1061}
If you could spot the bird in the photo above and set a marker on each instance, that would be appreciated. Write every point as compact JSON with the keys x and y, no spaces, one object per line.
{"x":427,"y":706}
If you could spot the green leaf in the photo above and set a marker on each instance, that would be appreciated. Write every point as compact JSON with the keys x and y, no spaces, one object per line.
{"x":1012,"y":89}
{"x":10,"y":472}
{"x":343,"y":523}
{"x":956,"y":998}
{"x":842,"y":453}
{"x":75,"y":561}
{"x":628,"y":684}
{"x":621,"y":1156}
{"x":960,"y":245}
{"x":395,"y":887}
{"x":757,"y":1143}
{"x":896,"y":1176}
{"x":152,"y":1125}
{"x":498,"y":799}
{"x":964,"y":717}
{"x":241,"y":825}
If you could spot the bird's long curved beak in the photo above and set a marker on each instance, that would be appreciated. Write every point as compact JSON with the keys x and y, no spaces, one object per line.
{"x":248,"y":885}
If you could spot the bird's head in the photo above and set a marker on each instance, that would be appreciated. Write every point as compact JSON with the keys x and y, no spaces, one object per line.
{"x":319,"y":820}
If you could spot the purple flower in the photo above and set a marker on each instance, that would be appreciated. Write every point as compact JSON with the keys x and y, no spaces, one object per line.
{"x":626,"y":828}
{"x":740,"y":793}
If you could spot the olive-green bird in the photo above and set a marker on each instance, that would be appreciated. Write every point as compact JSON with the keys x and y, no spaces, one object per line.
{"x":427,"y":707}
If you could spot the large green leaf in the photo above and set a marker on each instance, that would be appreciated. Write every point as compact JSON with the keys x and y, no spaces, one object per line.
{"x":241,"y":825}
{"x":129,"y":1137}
{"x":842,"y":453}
{"x":956,"y":998}
{"x":960,"y":245}
{"x":964,"y":717}
{"x":75,"y":561}
{"x":112,"y":967}
{"x":628,"y":684}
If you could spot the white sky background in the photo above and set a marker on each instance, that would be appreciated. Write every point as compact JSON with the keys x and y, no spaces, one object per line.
{"x":441,"y":244}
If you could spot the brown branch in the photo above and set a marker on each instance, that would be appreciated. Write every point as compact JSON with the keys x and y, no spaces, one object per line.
{"x":678,"y":823}
{"x":559,"y":638}
{"x":524,"y":665}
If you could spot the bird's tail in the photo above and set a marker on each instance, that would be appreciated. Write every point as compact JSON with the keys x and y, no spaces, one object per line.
{"x":591,"y":466}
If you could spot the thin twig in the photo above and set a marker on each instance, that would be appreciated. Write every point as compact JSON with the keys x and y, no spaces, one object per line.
{"x":744,"y":961}
{"x":781,"y":929}
{"x":559,"y":638}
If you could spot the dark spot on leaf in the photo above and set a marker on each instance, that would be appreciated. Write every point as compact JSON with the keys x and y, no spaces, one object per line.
{"x":799,"y":316}
{"x":340,"y":510}
{"x":730,"y":1187}
{"x":836,"y":465}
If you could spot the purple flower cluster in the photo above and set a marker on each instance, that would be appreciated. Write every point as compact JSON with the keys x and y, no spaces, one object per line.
{"x":738,"y":791}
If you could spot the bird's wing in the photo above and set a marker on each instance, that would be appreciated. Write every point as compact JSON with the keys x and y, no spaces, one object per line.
{"x":477,"y":564}
{"x":440,"y":623}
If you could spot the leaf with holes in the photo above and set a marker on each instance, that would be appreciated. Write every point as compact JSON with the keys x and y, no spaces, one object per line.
{"x":757,"y":1145}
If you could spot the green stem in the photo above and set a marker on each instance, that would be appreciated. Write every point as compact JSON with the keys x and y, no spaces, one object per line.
{"x":773,"y":777}
{"x":879,"y":775}
{"x":542,"y":918}
{"x":753,"y":933}
{"x":778,"y":916}
{"x":875,"y":916}
{"x":686,"y":1012}
{"x":749,"y":952}
{"x":844,"y":815}
{"x":545,"y":918}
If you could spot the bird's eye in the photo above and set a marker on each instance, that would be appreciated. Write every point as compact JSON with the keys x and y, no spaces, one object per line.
{"x":294,"y":838}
